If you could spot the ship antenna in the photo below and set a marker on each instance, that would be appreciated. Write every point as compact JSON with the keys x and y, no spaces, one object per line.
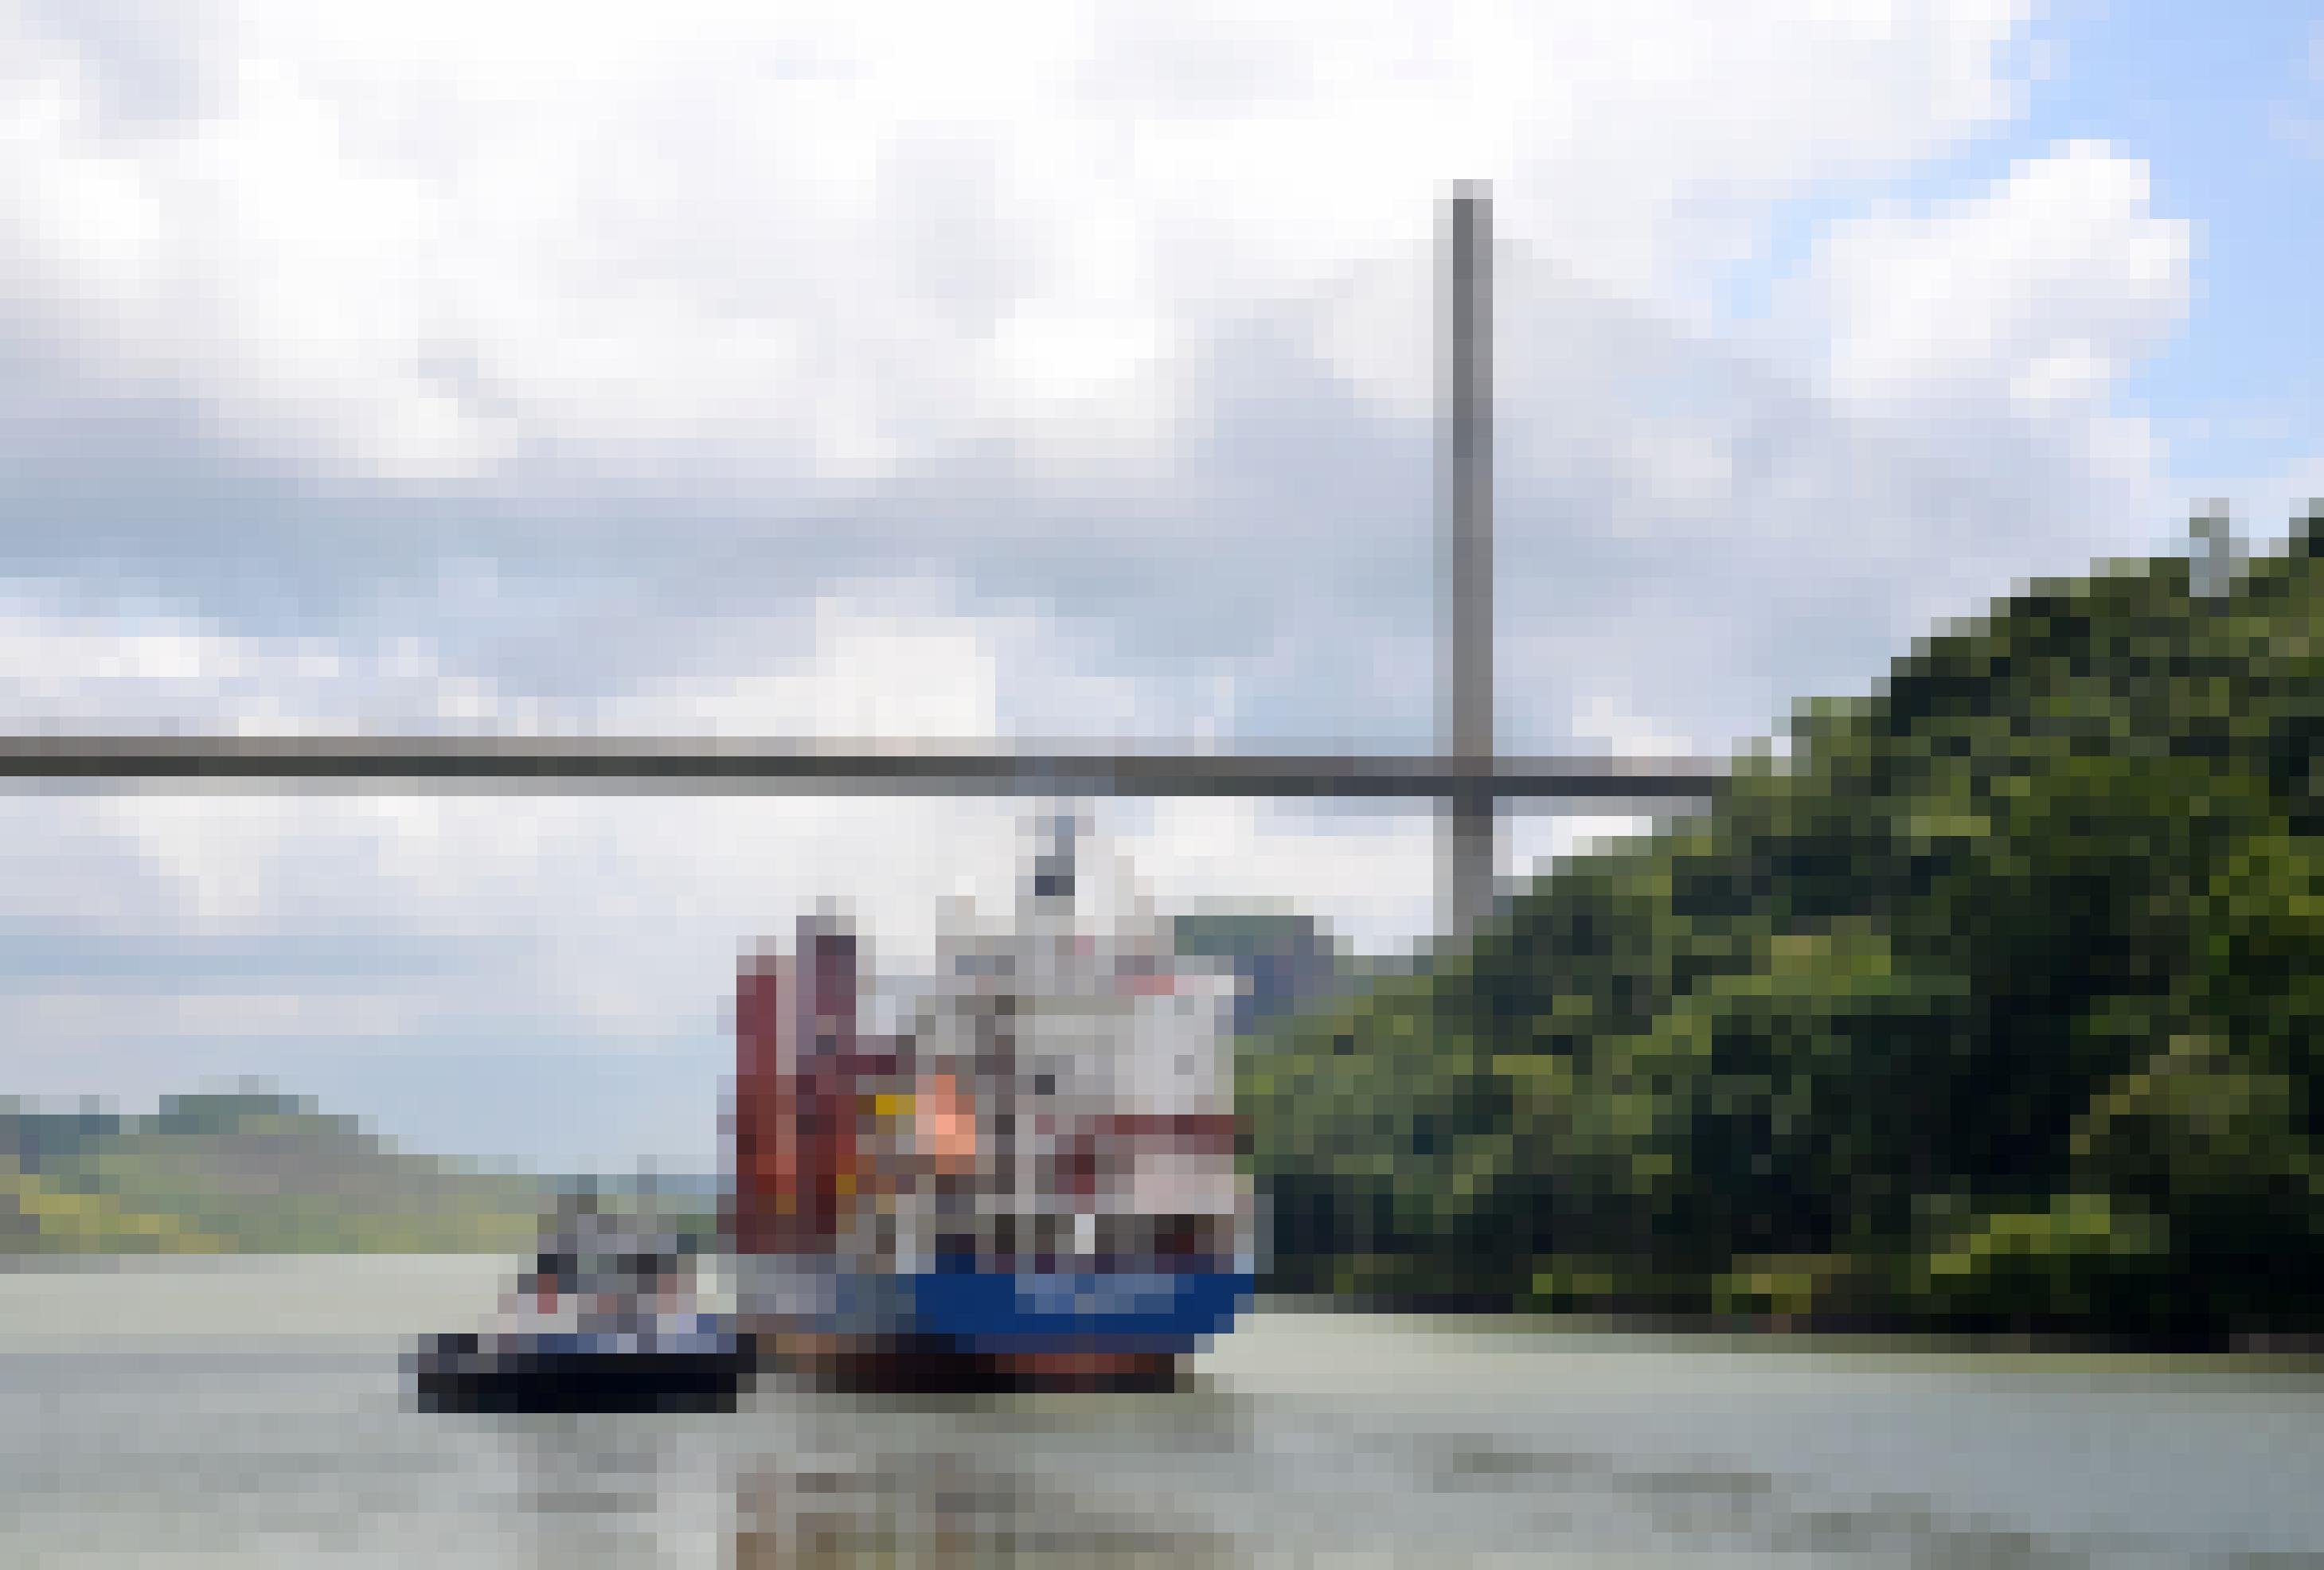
{"x":1054,"y":864}
{"x":1052,"y":898}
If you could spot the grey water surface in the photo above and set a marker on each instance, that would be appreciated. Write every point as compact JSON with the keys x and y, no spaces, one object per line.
{"x":253,"y":1412}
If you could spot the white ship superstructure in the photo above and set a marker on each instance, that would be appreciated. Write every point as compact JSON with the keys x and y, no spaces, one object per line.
{"x":1099,"y":1062}
{"x":1044,"y":1157}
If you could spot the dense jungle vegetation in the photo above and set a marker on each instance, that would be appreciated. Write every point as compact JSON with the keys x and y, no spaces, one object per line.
{"x":1992,"y":1004}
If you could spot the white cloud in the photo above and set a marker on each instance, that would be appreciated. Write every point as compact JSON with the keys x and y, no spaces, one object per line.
{"x":710,"y":307}
{"x":592,"y":927}
{"x":830,"y":242}
{"x":1606,"y":720}
{"x":868,"y":675}
{"x":1975,"y":347}
{"x":2031,"y":298}
{"x":1371,"y":878}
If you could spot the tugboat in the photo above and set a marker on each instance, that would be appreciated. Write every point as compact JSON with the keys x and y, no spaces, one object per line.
{"x":609,"y":1317}
{"x":1033,"y":1181}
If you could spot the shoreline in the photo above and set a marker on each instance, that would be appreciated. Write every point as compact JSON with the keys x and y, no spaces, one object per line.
{"x":1836,"y":1332}
{"x":231,"y":1290}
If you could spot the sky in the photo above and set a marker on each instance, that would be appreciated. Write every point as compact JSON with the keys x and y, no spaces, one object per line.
{"x":1030,"y":370}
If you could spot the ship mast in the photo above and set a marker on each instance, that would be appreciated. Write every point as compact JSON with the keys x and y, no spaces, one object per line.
{"x":1056,"y":873}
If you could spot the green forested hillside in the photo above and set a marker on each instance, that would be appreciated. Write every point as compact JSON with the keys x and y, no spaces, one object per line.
{"x":243,"y":1173}
{"x":1993,"y":1006}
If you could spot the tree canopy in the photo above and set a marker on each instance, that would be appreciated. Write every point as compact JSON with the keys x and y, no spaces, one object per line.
{"x":1991,"y":1004}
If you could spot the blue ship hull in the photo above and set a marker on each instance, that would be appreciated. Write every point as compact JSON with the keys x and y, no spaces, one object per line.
{"x":991,"y":1314}
{"x":986,"y":1313}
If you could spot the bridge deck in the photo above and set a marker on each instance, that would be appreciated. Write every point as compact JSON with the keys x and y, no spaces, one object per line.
{"x":681,"y":764}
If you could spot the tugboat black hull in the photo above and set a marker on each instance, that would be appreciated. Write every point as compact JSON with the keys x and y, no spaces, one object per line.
{"x":457,"y":1372}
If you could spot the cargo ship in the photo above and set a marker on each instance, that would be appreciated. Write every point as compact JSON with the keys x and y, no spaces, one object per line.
{"x":1031,"y":1174}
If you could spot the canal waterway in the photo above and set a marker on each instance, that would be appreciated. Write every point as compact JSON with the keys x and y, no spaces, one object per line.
{"x":252,"y":1412}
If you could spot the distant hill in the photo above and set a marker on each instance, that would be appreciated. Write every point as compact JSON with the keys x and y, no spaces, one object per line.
{"x":243,"y":1173}
{"x":1285,"y":960}
{"x":1996,"y":1005}
{"x":37,"y":1216}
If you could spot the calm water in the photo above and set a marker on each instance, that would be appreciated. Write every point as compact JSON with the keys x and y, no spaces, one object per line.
{"x":251,"y":1413}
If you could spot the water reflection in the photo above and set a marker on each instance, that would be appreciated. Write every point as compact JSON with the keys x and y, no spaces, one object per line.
{"x":939,"y":1508}
{"x":1315,"y":1440}
{"x":970,"y":1480}
{"x":587,"y":1494}
{"x":801,"y":1477}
